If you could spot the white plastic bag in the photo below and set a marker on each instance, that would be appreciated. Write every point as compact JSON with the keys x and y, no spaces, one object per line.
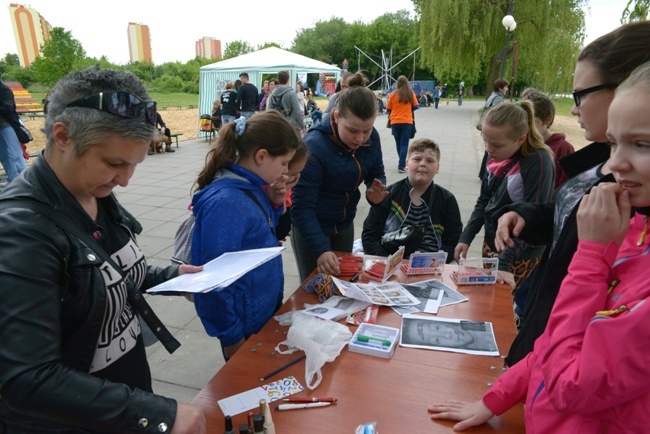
{"x":321,"y":340}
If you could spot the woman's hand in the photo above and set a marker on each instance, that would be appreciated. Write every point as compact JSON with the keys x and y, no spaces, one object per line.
{"x":604,"y":214}
{"x":328,"y":263}
{"x":510,"y":226}
{"x":460,"y":251}
{"x":188,"y":268}
{"x":469,"y":414}
{"x":376,"y":192}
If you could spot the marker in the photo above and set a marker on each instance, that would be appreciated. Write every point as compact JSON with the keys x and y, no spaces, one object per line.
{"x":364,"y":338}
{"x":376,"y":346}
{"x":297,"y":406}
{"x":314,"y":399}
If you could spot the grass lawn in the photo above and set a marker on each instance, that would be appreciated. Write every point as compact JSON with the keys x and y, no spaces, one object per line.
{"x":163,"y":99}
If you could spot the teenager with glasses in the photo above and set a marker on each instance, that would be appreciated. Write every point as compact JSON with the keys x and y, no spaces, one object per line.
{"x":602,"y":66}
{"x":72,"y":353}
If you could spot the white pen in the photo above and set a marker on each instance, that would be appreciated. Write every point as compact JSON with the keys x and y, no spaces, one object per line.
{"x":307,"y":405}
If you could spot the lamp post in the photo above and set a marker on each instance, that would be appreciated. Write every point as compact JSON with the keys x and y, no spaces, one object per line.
{"x":510,"y":24}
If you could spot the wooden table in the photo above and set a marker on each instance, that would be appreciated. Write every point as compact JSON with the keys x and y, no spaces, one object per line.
{"x":395,"y":392}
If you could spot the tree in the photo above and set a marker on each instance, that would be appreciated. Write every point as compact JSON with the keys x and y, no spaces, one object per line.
{"x":327,"y":41}
{"x":60,"y":55}
{"x":463,"y":40}
{"x":236,"y":48}
{"x":636,"y":10}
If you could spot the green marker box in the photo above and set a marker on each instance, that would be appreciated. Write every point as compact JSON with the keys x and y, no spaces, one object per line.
{"x":374,"y":340}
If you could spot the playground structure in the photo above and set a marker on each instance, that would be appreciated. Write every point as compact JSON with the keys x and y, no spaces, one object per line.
{"x":386,"y":67}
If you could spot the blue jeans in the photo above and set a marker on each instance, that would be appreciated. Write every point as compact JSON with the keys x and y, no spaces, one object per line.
{"x":227,"y":118}
{"x":246,"y":114}
{"x":402,"y":134}
{"x":11,"y":154}
{"x":437,"y":101}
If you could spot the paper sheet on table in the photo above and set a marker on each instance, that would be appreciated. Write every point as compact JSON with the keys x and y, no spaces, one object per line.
{"x":385,"y":294}
{"x":448,"y":334}
{"x":250,"y":399}
{"x":220,"y":272}
{"x":427,"y":292}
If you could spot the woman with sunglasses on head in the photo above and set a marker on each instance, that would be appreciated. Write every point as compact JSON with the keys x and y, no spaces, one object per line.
{"x":589,"y":372}
{"x":72,"y":354}
{"x":602,"y":66}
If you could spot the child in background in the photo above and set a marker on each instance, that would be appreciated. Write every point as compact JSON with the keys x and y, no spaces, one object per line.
{"x":544,"y":117}
{"x":520,"y":168}
{"x":589,"y":371}
{"x":236,"y":209}
{"x":416,"y":201}
{"x":296,"y":165}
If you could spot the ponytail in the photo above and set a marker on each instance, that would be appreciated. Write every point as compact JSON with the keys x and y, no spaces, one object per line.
{"x":269,"y":130}
{"x":518,"y":120}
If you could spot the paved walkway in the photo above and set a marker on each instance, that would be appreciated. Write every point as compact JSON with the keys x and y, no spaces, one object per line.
{"x":159,"y":193}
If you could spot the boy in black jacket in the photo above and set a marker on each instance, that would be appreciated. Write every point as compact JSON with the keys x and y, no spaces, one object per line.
{"x":417,"y":201}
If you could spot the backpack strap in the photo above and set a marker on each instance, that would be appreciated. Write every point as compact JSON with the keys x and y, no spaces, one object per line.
{"x":135,"y":296}
{"x":254,"y":199}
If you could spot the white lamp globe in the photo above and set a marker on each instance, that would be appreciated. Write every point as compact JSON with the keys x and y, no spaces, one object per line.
{"x":508,"y":21}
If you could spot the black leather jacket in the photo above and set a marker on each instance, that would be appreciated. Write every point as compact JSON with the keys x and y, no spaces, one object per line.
{"x":52,"y":307}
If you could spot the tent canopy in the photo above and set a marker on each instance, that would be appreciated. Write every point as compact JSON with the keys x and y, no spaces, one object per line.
{"x":213,"y":77}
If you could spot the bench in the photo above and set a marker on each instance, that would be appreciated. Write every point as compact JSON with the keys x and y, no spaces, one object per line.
{"x":175,"y":136}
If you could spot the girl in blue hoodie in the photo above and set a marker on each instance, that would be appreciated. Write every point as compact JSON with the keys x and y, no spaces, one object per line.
{"x":239,"y":199}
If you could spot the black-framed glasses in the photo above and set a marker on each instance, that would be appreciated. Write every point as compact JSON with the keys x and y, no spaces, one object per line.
{"x":122,"y":104}
{"x":578,"y":94}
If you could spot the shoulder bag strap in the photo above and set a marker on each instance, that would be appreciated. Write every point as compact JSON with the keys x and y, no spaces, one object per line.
{"x":254,"y":199}
{"x":135,"y":297}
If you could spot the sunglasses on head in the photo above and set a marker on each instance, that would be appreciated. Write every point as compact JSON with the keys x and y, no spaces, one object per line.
{"x":578,"y":94}
{"x":122,"y":104}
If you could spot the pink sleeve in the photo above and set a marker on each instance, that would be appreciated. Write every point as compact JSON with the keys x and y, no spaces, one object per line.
{"x":590,"y":363}
{"x":511,"y":388}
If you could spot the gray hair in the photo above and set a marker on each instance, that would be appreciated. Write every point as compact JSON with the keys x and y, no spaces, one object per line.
{"x":87,"y":126}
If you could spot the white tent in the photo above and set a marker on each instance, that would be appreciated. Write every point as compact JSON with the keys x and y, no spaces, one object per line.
{"x":213,"y":77}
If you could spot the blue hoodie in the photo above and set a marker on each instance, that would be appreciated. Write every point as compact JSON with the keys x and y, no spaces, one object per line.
{"x":326,"y":197}
{"x":227,"y":220}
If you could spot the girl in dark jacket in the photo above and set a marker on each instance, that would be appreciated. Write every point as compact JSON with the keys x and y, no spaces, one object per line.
{"x":344,"y":151}
{"x":520,"y":169}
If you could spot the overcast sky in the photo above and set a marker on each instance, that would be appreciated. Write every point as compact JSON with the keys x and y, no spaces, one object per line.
{"x":101,"y":27}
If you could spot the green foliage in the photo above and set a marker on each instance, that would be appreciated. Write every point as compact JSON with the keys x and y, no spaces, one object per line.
{"x":463,"y":40}
{"x":327,"y":41}
{"x":24,"y":76}
{"x":636,"y":10}
{"x":236,"y":48}
{"x":60,"y":55}
{"x":267,"y":45}
{"x":334,"y":40}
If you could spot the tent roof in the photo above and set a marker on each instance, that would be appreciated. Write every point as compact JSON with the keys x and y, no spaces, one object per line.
{"x":272,"y":58}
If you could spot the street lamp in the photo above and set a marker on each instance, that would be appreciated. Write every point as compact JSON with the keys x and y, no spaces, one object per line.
{"x":510,"y":24}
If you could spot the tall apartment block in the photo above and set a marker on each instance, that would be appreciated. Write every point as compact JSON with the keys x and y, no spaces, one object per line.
{"x":139,"y":43}
{"x":208,"y":48}
{"x":30,"y":32}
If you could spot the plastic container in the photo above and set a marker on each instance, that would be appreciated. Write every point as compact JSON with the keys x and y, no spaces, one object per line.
{"x":374,"y":340}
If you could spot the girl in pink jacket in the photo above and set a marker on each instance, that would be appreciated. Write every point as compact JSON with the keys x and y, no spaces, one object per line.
{"x":589,"y":372}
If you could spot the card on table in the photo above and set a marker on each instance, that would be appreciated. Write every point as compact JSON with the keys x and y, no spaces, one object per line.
{"x":250,"y":399}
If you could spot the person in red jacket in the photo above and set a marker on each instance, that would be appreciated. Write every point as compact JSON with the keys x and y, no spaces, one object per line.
{"x":590,"y":370}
